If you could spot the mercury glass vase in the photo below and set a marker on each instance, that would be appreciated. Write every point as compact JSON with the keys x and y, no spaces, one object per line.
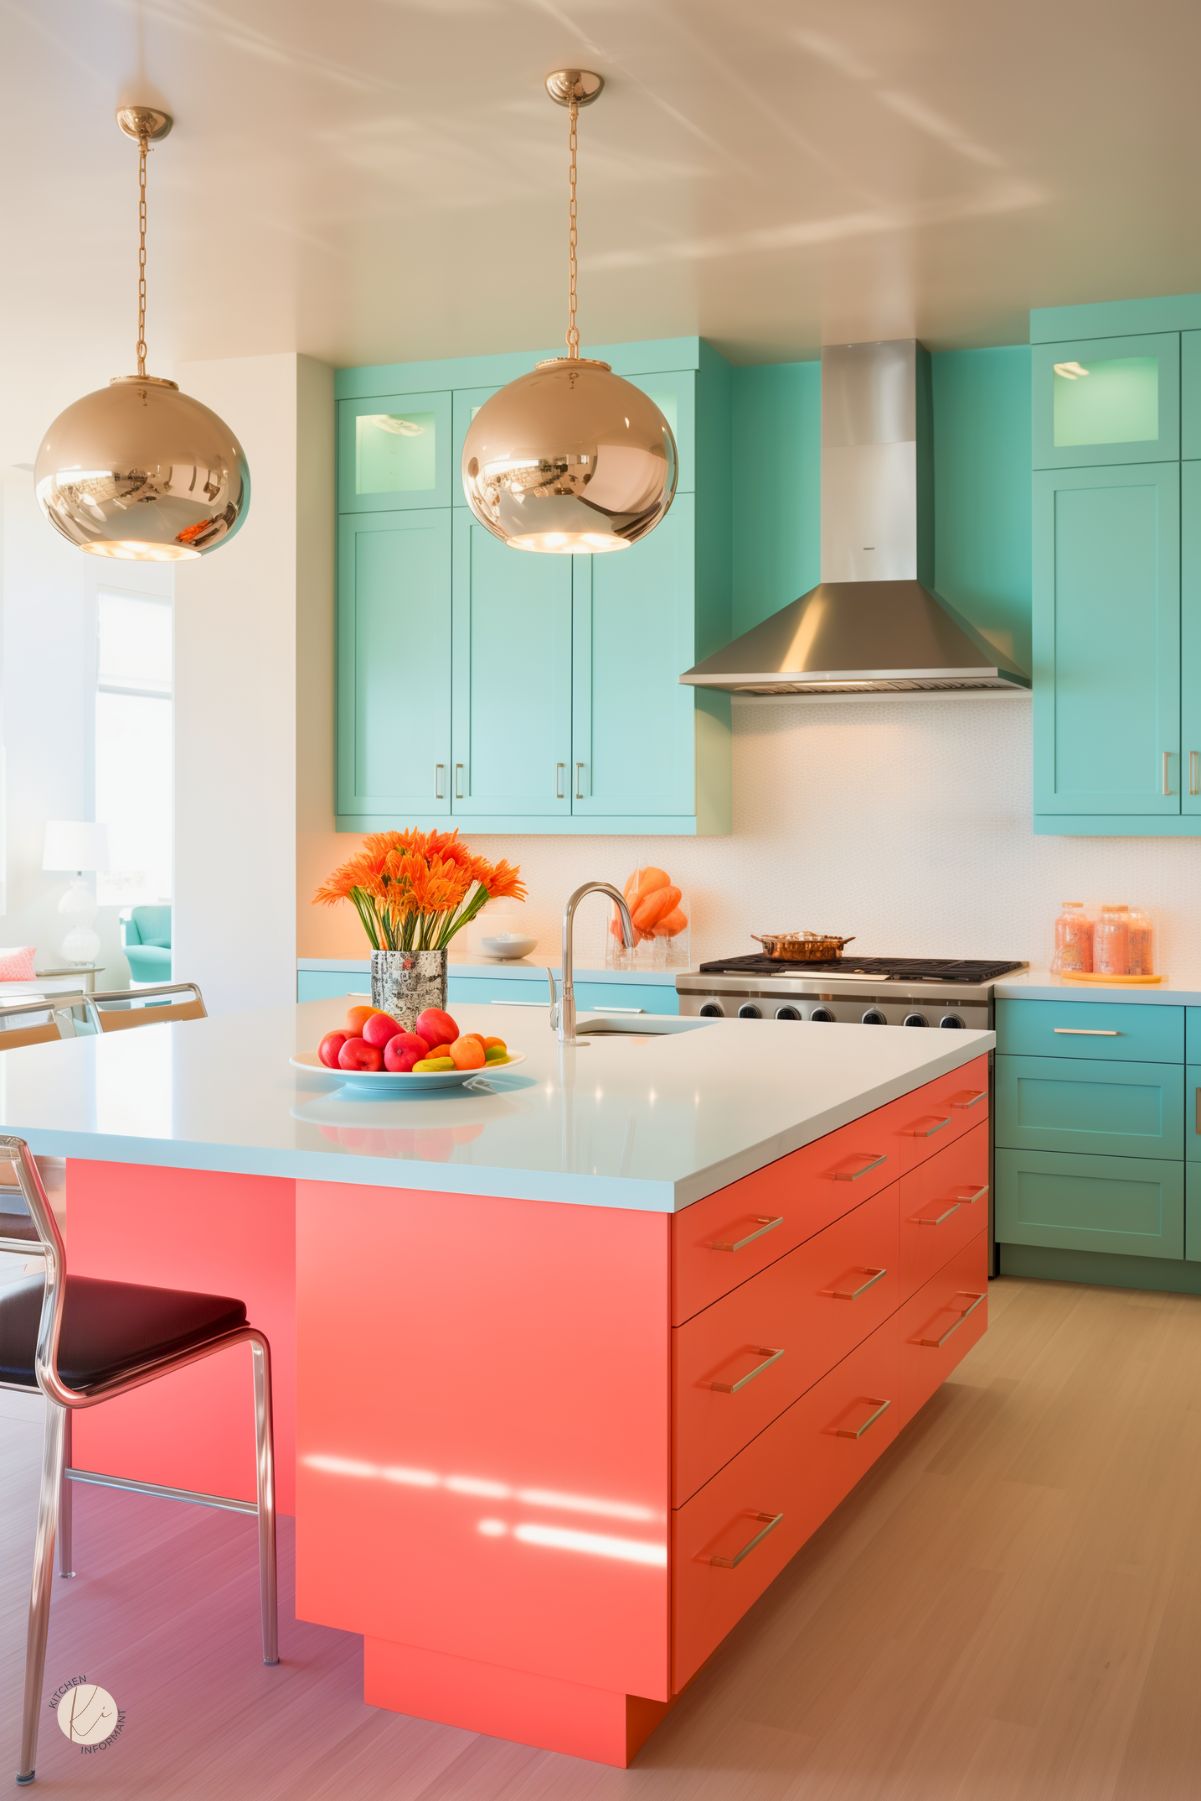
{"x":405,"y":983}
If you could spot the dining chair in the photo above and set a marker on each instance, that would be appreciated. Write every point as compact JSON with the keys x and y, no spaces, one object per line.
{"x":29,"y":1028}
{"x":117,"y":1009}
{"x":82,"y":1341}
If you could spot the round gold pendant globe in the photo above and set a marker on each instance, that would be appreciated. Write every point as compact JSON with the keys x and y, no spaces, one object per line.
{"x":570,"y":458}
{"x":142,"y":472}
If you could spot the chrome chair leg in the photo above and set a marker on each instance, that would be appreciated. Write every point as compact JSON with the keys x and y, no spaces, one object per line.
{"x":66,"y":1504}
{"x":265,"y":1486}
{"x":39,"y":1595}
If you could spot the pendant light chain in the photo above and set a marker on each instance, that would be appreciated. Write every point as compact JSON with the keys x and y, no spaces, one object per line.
{"x":573,"y":235}
{"x":143,"y":147}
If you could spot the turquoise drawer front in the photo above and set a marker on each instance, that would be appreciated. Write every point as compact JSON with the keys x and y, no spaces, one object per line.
{"x":1192,"y":1112}
{"x":1121,"y":1031}
{"x":1069,"y":1104}
{"x":590,"y":997}
{"x":1193,"y":1037}
{"x":1120,"y":1204}
{"x":321,"y":984}
{"x":1192,"y":1212}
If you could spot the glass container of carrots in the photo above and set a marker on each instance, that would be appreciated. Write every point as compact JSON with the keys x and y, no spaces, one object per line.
{"x":1073,"y":940}
{"x":661,"y":916}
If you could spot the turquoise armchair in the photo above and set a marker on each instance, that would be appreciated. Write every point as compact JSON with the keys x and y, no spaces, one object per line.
{"x":146,"y":936}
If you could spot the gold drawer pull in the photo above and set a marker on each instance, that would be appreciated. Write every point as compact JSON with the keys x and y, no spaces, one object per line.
{"x":919,"y":1131}
{"x":769,"y":1357}
{"x":767,"y":1523}
{"x":853,"y":1175}
{"x":1084,"y":1032}
{"x":764,"y":1223}
{"x":971,"y":1097}
{"x":852,"y":1294}
{"x":879,"y":1409}
{"x":977,"y":1194}
{"x":973,"y":1301}
{"x":936,"y":1219}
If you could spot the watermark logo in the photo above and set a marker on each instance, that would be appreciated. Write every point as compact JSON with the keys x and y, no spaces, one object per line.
{"x":87,"y":1714}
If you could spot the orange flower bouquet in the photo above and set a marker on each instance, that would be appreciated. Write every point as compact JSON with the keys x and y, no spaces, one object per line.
{"x":414,"y":890}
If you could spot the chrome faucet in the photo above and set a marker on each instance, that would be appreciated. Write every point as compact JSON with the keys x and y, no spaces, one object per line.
{"x":562,"y":1011}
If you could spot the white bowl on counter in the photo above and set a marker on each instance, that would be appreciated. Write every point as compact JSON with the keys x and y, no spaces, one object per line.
{"x":507,"y":946}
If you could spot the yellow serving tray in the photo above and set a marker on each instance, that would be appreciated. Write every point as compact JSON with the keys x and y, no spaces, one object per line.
{"x":1080,"y":975}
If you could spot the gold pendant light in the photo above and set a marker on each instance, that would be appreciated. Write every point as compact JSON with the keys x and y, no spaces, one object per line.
{"x":570,"y":457}
{"x":138,"y":470}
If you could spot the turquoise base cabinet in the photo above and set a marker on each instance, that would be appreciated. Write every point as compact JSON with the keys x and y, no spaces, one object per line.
{"x":511,"y":692}
{"x":1098,"y":1146}
{"x":504,"y":991}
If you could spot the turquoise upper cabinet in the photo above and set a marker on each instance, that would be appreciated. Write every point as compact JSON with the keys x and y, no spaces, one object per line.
{"x":394,"y":450}
{"x":1107,"y":641}
{"x":1190,"y":639}
{"x":633,"y":742}
{"x":1190,"y":393}
{"x":1106,"y":400}
{"x":512,"y":677}
{"x":393,"y":662}
{"x":547,"y":687}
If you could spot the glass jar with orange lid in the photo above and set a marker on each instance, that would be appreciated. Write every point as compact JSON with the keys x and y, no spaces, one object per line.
{"x":1111,"y":941}
{"x":1073,"y":940}
{"x":1140,"y":957}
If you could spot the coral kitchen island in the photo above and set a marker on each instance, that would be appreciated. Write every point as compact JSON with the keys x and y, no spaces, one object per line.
{"x":567,"y":1370}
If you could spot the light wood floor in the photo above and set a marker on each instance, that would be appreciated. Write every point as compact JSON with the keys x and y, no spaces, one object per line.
{"x":1008,"y":1610}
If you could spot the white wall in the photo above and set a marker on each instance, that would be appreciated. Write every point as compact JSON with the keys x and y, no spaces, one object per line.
{"x":48,"y":673}
{"x":237,"y":658}
{"x":904,"y":821}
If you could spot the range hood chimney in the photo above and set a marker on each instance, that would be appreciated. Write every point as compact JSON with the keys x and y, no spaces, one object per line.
{"x":874,"y":622}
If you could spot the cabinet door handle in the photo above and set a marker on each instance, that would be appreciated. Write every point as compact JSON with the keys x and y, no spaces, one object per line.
{"x":458,"y":781}
{"x":767,"y":1523}
{"x":768,"y":1357}
{"x":853,"y":1175}
{"x":764,"y":1223}
{"x":973,"y":1301}
{"x":1167,"y":772}
{"x":1085,"y":1032}
{"x":966,"y":1199}
{"x":579,"y":776}
{"x":852,"y":1294}
{"x":560,"y":772}
{"x":617,"y":1009}
{"x":936,"y":1125}
{"x":879,"y":1409}
{"x":969,"y":1098}
{"x":1194,"y":772}
{"x":936,"y":1219}
{"x":439,"y":781}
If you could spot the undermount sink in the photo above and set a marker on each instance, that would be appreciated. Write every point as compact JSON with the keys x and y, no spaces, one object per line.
{"x":650,"y":1027}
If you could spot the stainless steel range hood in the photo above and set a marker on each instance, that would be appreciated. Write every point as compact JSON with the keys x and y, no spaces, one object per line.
{"x":874,"y":622}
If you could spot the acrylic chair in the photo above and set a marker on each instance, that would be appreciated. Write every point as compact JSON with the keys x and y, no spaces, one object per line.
{"x":83,"y":1341}
{"x":120,"y":1008}
{"x":25,"y":1013}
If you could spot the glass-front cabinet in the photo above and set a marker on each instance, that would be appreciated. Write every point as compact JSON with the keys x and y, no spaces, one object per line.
{"x":1106,"y":400}
{"x":394,"y":451}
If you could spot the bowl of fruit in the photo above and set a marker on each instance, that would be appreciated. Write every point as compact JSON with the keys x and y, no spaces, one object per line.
{"x":374,"y":1054}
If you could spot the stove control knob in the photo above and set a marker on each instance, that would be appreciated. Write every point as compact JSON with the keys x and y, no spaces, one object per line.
{"x":788,"y":1013}
{"x":916,"y":1019}
{"x":951,"y":1021}
{"x":748,"y":1010}
{"x":711,"y":1010}
{"x":873,"y":1017}
{"x":820,"y":1016}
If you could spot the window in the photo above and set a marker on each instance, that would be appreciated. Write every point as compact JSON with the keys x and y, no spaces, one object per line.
{"x":133,"y":746}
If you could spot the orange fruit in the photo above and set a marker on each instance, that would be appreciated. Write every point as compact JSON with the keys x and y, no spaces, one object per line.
{"x":495,"y":1044}
{"x":357,"y":1017}
{"x":468,"y":1053}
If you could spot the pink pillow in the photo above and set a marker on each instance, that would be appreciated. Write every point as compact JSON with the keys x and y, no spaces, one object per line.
{"x":17,"y":965}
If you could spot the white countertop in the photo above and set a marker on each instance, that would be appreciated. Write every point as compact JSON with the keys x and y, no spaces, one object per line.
{"x":533,"y":967}
{"x":651,"y":1123}
{"x":1042,"y":985}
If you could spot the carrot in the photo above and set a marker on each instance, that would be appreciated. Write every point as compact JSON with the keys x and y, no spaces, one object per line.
{"x":655,"y":906}
{"x":671,"y":923}
{"x":649,"y":881}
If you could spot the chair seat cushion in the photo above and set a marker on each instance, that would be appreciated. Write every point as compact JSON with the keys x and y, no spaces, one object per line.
{"x":19,"y":1225}
{"x":108,"y":1327}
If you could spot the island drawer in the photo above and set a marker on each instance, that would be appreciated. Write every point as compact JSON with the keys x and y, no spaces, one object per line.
{"x":735,"y":1536}
{"x":735,"y":1232}
{"x":1102,"y":1031}
{"x":940,"y":1324}
{"x":739,"y":1363}
{"x":943,"y":1205}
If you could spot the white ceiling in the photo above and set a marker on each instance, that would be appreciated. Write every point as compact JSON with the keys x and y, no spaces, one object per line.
{"x":370,"y":180}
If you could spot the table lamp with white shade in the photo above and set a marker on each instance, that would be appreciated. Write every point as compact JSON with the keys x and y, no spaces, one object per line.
{"x":80,"y":845}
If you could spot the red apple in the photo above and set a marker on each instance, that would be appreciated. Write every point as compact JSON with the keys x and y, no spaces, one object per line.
{"x":436,"y":1027}
{"x":330,"y":1048}
{"x":404,"y":1049}
{"x":379,"y":1027}
{"x":356,"y":1053}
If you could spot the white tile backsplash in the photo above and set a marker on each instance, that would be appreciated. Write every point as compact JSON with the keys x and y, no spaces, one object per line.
{"x":905,"y":820}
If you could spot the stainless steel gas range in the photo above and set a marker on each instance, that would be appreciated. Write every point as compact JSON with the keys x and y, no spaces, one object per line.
{"x":870,"y":991}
